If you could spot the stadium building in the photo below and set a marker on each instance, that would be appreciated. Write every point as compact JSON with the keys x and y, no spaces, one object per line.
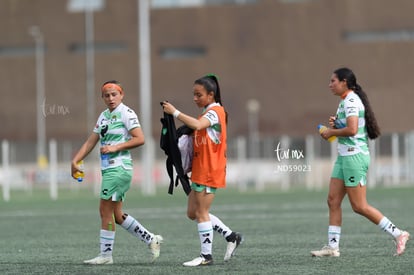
{"x":274,"y":59}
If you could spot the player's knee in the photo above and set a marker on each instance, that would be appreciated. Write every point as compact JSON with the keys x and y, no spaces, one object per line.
{"x":333,"y":203}
{"x":360,"y":209}
{"x":191,"y":215}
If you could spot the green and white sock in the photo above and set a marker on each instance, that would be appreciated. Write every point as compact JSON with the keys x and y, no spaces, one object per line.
{"x":136,"y":229}
{"x":334,"y":235}
{"x":219,"y":226}
{"x":205,"y":231}
{"x":107,"y":239}
{"x":386,"y":225}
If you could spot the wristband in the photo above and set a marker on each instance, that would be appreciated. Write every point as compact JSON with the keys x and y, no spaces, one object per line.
{"x":176,"y":113}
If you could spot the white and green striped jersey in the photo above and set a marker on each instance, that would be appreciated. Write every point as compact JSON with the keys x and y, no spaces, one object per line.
{"x":113,"y":128}
{"x":214,"y":131}
{"x":352,"y":105}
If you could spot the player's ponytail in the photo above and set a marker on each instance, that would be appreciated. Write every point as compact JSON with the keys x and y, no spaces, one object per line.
{"x":372,"y":127}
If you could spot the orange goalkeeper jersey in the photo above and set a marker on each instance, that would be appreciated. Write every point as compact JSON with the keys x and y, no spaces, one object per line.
{"x":209,"y":159}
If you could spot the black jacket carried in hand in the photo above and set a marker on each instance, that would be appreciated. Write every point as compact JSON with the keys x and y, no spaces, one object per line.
{"x":169,"y":143}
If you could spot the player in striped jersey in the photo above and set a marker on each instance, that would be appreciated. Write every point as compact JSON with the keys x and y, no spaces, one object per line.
{"x":353,"y":124}
{"x":118,"y":130}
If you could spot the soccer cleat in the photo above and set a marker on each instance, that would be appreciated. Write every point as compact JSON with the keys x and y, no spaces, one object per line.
{"x":155,"y":247}
{"x":232,"y":245}
{"x":326,"y":251}
{"x":401,"y":241}
{"x":199,"y":261}
{"x":99,"y":260}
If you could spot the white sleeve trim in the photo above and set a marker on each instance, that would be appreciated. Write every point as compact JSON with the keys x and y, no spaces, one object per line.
{"x":212,"y":116}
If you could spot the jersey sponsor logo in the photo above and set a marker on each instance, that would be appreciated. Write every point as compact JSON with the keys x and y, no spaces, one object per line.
{"x":199,"y":140}
{"x":134,"y":121}
{"x":211,"y":116}
{"x":352,"y":111}
{"x":104,"y":129}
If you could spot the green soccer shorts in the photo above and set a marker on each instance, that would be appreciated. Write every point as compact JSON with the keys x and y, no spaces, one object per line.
{"x":199,"y":188}
{"x":352,"y":169}
{"x":115,"y":183}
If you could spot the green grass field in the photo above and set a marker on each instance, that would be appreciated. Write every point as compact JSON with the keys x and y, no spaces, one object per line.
{"x":40,"y":236}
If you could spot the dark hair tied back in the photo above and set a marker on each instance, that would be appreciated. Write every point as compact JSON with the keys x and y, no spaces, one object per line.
{"x":210,"y":83}
{"x":348,"y":75}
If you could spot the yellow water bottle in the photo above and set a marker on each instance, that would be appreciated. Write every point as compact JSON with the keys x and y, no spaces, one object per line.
{"x":322,"y":128}
{"x":79,"y":175}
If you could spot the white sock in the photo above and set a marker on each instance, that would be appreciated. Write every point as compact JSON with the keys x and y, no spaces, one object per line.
{"x":136,"y":229}
{"x":219,"y":226}
{"x":205,"y":231}
{"x":107,"y":239}
{"x":386,"y":225}
{"x":334,"y":235}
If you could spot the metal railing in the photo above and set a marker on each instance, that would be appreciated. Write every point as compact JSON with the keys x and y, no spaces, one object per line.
{"x":276,"y":162}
